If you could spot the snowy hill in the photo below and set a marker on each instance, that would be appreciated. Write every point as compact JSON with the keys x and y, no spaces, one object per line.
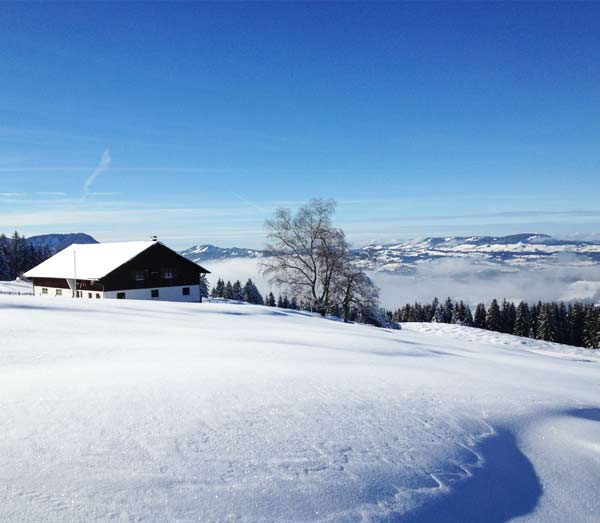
{"x":57,"y":242}
{"x":144,"y":411}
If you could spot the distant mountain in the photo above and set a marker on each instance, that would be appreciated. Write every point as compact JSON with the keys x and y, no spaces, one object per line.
{"x":212,"y":252}
{"x":525,"y":250}
{"x":58,"y":242}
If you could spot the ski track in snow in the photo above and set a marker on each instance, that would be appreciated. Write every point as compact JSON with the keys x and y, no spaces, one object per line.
{"x":141,"y":411}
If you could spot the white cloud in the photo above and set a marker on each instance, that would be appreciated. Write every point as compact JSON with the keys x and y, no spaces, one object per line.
{"x":11,"y":194}
{"x":51,"y":193}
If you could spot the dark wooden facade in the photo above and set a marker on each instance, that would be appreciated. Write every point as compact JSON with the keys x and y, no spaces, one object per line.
{"x":151,"y":268}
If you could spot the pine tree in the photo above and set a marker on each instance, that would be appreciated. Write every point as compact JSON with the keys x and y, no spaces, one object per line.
{"x":534,"y":318}
{"x":280,"y":302}
{"x":203,"y":286}
{"x":271,"y":300}
{"x":237,"y":292}
{"x":294,"y":303}
{"x":251,"y":294}
{"x":522,"y":323}
{"x":591,"y":332}
{"x":220,"y":289}
{"x":468,"y":316}
{"x":480,"y":314}
{"x":493,"y":319}
{"x":4,"y":258}
{"x":577,"y":317}
{"x":228,"y":293}
{"x":547,"y":324}
{"x":448,"y":310}
{"x":562,"y":323}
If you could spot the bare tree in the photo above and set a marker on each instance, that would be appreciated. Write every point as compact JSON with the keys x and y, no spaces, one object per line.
{"x":307,"y":253}
{"x":356,"y":290}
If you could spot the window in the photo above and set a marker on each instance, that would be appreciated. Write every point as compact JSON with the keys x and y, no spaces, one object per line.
{"x":154,"y":293}
{"x":120,"y":295}
{"x":139,"y":276}
{"x":185,"y":291}
{"x":97,"y":295}
{"x":44,"y":291}
{"x":58,"y":292}
{"x":89,"y":294}
{"x":167,"y":273}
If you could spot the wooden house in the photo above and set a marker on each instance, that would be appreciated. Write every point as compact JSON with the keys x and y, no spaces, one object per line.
{"x":142,"y":270}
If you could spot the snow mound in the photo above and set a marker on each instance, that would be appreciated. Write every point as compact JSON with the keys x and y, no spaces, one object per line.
{"x":231,"y":412}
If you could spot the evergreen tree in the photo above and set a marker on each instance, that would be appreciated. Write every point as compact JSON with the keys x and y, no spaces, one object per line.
{"x":237,"y":292}
{"x":547,"y":323}
{"x":448,"y":310}
{"x":271,"y":300}
{"x":203,"y":286}
{"x":562,"y":322}
{"x":280,"y":302}
{"x":522,"y":323}
{"x":294,"y":303}
{"x":480,"y":314}
{"x":534,"y":317}
{"x":468,"y":316}
{"x":493,"y":319}
{"x":4,"y":258}
{"x":220,"y":289}
{"x":286,"y":302}
{"x":577,"y":317}
{"x":507,"y":317}
{"x":251,"y":294}
{"x":228,"y":293}
{"x":591,"y":333}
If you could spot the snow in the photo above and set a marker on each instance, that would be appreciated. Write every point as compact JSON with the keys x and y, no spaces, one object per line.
{"x":16,"y":287}
{"x":91,"y":261}
{"x":145,"y":411}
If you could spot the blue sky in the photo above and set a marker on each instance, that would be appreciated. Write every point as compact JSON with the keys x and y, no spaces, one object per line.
{"x":195,"y":121}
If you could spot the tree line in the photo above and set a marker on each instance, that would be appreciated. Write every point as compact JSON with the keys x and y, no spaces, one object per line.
{"x":18,"y":255}
{"x":575,"y":323}
{"x":249,"y":293}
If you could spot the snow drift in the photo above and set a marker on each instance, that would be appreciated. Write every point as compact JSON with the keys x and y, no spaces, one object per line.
{"x":230,"y":412}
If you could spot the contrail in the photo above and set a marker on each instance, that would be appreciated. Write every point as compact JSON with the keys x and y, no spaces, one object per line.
{"x":102,"y":166}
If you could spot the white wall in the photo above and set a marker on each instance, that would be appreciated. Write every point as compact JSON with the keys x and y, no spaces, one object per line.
{"x":165,"y":294}
{"x":66,"y":293}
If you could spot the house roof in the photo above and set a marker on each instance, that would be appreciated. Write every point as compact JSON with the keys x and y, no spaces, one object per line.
{"x":88,"y":261}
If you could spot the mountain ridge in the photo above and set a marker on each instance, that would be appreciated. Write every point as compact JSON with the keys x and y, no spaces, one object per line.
{"x":523,"y":249}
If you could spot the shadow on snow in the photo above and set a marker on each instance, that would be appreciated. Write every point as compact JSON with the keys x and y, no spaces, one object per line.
{"x":506,"y":487}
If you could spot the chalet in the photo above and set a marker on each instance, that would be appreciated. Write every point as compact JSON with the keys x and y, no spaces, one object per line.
{"x":143,"y":270}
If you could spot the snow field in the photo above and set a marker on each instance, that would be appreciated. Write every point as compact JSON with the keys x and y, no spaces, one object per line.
{"x":231,"y":412}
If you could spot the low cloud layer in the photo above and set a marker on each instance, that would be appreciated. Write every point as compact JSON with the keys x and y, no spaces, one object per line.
{"x":460,"y":279}
{"x":465,"y":280}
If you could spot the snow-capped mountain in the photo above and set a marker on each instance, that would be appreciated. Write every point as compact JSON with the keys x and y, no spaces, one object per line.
{"x":204,"y":252}
{"x":527,"y":250}
{"x":524,"y":250}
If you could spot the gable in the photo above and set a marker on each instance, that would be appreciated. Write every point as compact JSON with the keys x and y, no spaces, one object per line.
{"x":148,"y":269}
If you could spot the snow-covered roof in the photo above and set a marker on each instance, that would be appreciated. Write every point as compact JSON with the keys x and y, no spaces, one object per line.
{"x":90,"y":261}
